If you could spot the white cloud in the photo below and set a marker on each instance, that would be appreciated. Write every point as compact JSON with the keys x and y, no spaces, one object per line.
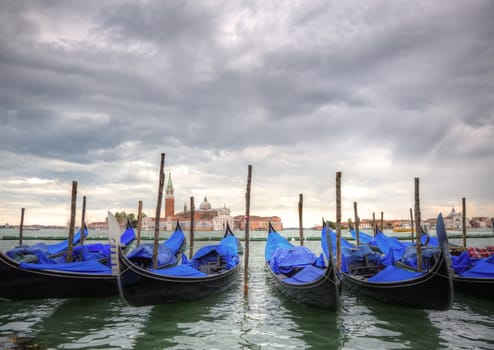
{"x":383,"y":92}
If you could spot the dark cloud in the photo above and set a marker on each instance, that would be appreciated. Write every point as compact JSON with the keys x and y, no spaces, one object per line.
{"x":96,"y":90}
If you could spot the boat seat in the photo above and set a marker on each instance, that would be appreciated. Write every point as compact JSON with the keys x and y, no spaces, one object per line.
{"x":364,"y":268}
{"x":218,"y":265}
{"x":205,"y":268}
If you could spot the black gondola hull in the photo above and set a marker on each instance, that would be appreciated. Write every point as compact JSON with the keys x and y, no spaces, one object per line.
{"x":476,"y":287}
{"x":434,"y":290}
{"x":139,"y":287}
{"x":21,"y":284}
{"x":323,"y":293}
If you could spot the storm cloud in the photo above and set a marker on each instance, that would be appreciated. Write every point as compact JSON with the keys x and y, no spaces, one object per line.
{"x":94,"y":91}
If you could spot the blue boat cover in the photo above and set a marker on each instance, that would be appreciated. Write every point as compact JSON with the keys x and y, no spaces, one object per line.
{"x":461,"y":263}
{"x":57,"y":248}
{"x":175,"y":241}
{"x":94,"y":251}
{"x":183,"y":270}
{"x":298,"y":261}
{"x":128,"y":236}
{"x":227,"y":249}
{"x":286,"y":260}
{"x":167,"y":250}
{"x":394,"y":274}
{"x":324,"y":242}
{"x":356,"y":255}
{"x":144,"y":251}
{"x":308,"y":274}
{"x":364,"y":238}
{"x":409,"y":258}
{"x":90,"y":266}
{"x":484,"y":268}
{"x":385,"y":244}
{"x":432,"y":240}
{"x":275,"y":241}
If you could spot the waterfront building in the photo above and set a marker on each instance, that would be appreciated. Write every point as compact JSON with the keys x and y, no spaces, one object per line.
{"x":258,"y":223}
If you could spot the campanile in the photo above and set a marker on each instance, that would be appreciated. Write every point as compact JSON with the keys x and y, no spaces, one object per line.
{"x":169,"y":198}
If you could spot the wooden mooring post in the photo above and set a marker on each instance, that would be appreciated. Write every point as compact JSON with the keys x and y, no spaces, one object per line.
{"x":357,"y":223}
{"x":464,"y":222}
{"x":382,"y":221}
{"x":247,"y":232}
{"x":417,"y":226}
{"x":139,"y":222}
{"x":158,"y":212}
{"x":83,"y":219}
{"x":411,"y":224}
{"x":338,"y":220}
{"x":374,"y":223}
{"x":21,"y":226}
{"x":70,"y":248}
{"x":192,"y":220}
{"x":300,"y":224}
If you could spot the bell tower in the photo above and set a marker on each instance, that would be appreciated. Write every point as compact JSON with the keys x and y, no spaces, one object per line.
{"x":169,"y":198}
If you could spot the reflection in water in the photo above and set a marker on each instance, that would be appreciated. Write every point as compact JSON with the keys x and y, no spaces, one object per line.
{"x":91,"y":324}
{"x":476,"y":320}
{"x":387,"y":326}
{"x":266,"y":319}
{"x":19,"y":319}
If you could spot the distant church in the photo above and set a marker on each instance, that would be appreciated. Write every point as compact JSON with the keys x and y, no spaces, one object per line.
{"x":206,"y":218}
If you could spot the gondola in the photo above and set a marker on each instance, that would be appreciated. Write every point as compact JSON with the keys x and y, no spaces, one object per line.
{"x":299,"y":274}
{"x":55,"y":279}
{"x":212,"y":269}
{"x":400,"y":285}
{"x":45,"y":253}
{"x":474,"y":277}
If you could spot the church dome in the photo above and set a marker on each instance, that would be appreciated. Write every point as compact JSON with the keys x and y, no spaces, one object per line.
{"x":205,"y":205}
{"x":452,"y":213}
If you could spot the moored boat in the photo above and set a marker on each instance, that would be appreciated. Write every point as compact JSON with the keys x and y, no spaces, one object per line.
{"x":52,"y":279}
{"x":400,"y":284}
{"x":300,"y":275}
{"x":212,"y":269}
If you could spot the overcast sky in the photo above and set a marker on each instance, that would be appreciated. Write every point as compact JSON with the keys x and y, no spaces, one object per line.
{"x":383,"y":91}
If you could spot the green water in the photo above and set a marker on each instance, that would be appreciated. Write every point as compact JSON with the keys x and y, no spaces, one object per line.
{"x":263,"y":320}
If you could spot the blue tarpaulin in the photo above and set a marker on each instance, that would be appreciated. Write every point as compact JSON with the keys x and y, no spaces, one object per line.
{"x":394,"y":274}
{"x":175,"y":241}
{"x":145,"y":252}
{"x":308,"y":274}
{"x":128,"y":236}
{"x":183,"y":270}
{"x":167,"y":250}
{"x":324,"y":242}
{"x":385,"y":244}
{"x":358,"y":256}
{"x":285,"y":260}
{"x":461,"y":263}
{"x":409,"y":258}
{"x":364,"y":238}
{"x":275,"y":241}
{"x":57,"y":248}
{"x":90,"y":266}
{"x":483,"y":268}
{"x":227,"y":249}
